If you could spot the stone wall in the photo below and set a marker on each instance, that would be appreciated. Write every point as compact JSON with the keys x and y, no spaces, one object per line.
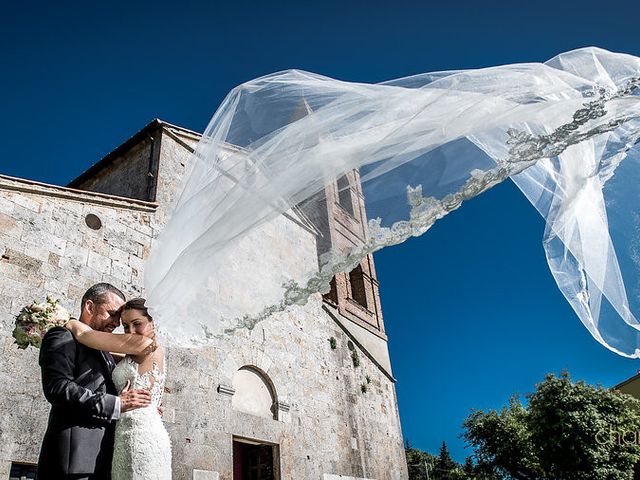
{"x":331,"y":426}
{"x":131,"y":173}
{"x":47,"y":248}
{"x":331,"y":417}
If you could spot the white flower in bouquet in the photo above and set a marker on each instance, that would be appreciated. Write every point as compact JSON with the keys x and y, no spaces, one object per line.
{"x":36,"y":319}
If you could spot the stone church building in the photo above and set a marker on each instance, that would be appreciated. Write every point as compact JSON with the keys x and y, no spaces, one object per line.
{"x":307,"y":394}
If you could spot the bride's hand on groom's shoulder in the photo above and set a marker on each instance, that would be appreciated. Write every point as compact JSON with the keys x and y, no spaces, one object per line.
{"x":132,"y":399}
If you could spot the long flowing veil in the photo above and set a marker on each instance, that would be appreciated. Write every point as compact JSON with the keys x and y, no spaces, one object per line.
{"x":250,"y":235}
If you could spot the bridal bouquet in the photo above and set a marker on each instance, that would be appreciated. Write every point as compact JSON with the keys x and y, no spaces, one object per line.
{"x":36,"y":319}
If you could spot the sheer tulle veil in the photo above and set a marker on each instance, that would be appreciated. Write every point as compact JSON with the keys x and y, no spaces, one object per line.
{"x":247,"y":237}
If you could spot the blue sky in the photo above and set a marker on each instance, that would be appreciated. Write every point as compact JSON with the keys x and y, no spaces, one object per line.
{"x":472,"y":312}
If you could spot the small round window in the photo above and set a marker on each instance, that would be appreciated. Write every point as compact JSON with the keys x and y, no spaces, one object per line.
{"x":93,"y":222}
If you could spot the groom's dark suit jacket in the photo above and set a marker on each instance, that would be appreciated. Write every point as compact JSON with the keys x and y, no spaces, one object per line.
{"x":77,"y":382}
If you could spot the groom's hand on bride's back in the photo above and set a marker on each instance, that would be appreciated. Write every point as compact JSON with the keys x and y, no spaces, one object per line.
{"x":132,"y":399}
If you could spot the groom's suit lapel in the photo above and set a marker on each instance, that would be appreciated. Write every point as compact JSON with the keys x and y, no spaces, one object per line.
{"x":108,"y":365}
{"x":107,"y":360}
{"x":105,"y":357}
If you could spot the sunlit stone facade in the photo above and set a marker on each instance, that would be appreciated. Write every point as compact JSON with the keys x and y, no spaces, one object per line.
{"x":280,"y":398}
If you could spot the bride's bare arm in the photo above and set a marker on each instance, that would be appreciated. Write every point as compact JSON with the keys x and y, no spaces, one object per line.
{"x":126,"y":343}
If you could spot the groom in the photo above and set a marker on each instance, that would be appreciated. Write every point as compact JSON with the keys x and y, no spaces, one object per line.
{"x":76,"y":380}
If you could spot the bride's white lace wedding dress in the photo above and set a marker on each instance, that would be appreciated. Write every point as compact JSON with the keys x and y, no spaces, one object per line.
{"x":142,"y":449}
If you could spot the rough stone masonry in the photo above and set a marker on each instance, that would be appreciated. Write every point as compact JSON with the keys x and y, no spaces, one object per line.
{"x":312,"y":386}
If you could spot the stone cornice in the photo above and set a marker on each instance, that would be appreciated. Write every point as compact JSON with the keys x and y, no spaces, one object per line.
{"x":37,"y":188}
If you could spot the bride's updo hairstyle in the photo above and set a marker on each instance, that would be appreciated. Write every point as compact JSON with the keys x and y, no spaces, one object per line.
{"x":137,"y":304}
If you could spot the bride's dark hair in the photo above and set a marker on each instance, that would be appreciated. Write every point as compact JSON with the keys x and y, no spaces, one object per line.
{"x":137,"y":304}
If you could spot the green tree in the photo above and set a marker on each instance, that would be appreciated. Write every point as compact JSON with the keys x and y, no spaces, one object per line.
{"x":416,"y":460}
{"x":474,"y":471}
{"x":445,"y":462}
{"x":469,"y":469}
{"x":444,"y":466}
{"x":568,"y":430}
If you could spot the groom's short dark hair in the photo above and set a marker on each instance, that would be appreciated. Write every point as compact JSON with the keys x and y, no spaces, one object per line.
{"x":98,"y":292}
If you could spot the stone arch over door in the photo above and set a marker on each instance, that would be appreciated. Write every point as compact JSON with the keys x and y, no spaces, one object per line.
{"x":256,"y":361}
{"x":254,"y":393}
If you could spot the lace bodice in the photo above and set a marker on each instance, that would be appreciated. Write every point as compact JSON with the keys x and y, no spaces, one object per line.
{"x":141,"y":448}
{"x":152,"y":380}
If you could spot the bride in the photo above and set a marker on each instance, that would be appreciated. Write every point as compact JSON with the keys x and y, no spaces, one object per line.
{"x":142,"y":449}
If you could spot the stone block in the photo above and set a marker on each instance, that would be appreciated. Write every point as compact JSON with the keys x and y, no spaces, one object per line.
{"x":74,"y":255}
{"x":205,"y":475}
{"x":25,"y":277}
{"x":138,"y":230}
{"x":77,"y":208}
{"x":68,"y":229}
{"x":119,"y":255}
{"x":77,"y":291}
{"x":54,"y":259}
{"x":10,"y":226}
{"x":96,"y":244}
{"x":7,"y":204}
{"x":121,"y":271}
{"x":52,"y":242}
{"x":21,"y":260}
{"x":39,"y":253}
{"x":136,"y":289}
{"x":99,"y":263}
{"x":136,"y":263}
{"x":55,"y":285}
{"x":116,"y":236}
{"x":29,"y":203}
{"x":5,"y":469}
